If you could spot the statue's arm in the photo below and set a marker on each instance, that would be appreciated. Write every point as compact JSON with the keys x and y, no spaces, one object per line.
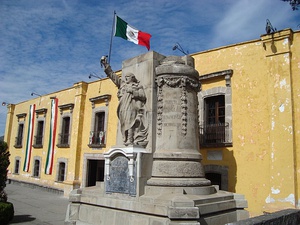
{"x":139,"y":93}
{"x":110,"y":73}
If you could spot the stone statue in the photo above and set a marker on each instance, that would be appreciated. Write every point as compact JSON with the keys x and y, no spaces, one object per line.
{"x":131,"y":108}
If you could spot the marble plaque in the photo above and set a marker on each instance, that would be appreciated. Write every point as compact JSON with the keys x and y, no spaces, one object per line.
{"x":214,"y":155}
{"x":119,"y":180}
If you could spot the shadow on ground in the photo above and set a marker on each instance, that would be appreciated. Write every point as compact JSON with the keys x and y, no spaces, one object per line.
{"x":22,"y":219}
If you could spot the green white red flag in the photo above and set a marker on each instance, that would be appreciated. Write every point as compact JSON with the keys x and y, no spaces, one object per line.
{"x":51,"y":145}
{"x":29,"y":138}
{"x":124,"y":30}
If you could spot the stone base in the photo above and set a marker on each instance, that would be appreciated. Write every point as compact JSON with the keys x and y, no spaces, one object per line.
{"x":159,"y":206}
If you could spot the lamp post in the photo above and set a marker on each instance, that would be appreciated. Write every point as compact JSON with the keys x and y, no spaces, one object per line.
{"x":5,"y":104}
{"x":33,"y":93}
{"x":269,"y":27}
{"x":94,"y":75}
{"x":178,"y":47}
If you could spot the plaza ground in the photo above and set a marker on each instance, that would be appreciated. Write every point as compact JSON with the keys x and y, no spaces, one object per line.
{"x":35,"y":206}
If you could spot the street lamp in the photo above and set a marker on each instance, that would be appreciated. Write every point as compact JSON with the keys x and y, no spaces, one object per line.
{"x":178,"y":47}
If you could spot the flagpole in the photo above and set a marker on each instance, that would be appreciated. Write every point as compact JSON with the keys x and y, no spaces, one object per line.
{"x":111,"y":36}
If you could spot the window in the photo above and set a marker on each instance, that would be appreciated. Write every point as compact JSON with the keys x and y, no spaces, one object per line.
{"x":97,"y":135}
{"x":61,"y":171}
{"x":218,"y":175}
{"x":97,"y":138}
{"x":17,"y":166}
{"x":19,"y":138}
{"x":36,"y":168}
{"x":214,"y":124}
{"x":215,"y":111}
{"x":65,"y":132}
{"x":39,"y":131}
{"x":39,"y":134}
{"x":215,"y":178}
{"x":64,"y":137}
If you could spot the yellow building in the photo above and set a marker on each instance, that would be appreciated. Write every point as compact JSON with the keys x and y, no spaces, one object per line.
{"x":83,"y":116}
{"x":249,"y":113}
{"x":249,"y":119}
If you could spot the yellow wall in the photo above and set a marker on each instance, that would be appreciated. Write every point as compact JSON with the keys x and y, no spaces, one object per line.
{"x":103,"y":87}
{"x":265,"y":86}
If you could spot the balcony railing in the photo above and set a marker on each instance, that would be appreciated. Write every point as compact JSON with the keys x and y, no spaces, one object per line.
{"x":214,"y":135}
{"x":97,"y":139}
{"x":38,"y":141}
{"x":18,"y":142}
{"x":63,"y":140}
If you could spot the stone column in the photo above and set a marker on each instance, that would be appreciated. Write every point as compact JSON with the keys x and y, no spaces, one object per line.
{"x":177,"y":160}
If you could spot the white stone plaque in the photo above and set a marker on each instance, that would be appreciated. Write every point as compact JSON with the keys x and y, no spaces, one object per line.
{"x":214,"y":155}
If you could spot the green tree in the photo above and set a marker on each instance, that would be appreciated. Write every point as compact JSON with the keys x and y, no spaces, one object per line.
{"x":294,"y":3}
{"x":4,"y":163}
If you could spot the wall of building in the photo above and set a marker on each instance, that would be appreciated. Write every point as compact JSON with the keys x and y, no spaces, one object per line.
{"x":263,"y":162}
{"x":76,"y":104}
{"x":43,"y":102}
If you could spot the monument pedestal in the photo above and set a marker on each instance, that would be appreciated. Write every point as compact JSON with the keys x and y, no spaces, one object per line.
{"x":159,"y":206}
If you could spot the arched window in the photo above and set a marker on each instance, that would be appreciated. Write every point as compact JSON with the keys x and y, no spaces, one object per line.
{"x":17,"y":166}
{"x":36,"y":168}
{"x":61,"y":171}
{"x":218,"y":175}
{"x":215,"y":178}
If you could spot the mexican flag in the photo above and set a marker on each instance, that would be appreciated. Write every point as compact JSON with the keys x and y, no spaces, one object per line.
{"x":124,"y":30}
{"x":29,"y":138}
{"x":51,"y":145}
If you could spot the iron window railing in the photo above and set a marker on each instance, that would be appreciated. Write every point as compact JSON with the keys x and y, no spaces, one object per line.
{"x":97,"y":138}
{"x":214,"y":135}
{"x":18,"y":142}
{"x":38,"y":141}
{"x":63,"y":139}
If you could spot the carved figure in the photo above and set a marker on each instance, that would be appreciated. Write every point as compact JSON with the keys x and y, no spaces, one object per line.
{"x":131,"y":111}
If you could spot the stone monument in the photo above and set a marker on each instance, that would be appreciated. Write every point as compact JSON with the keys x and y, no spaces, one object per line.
{"x":154,"y":175}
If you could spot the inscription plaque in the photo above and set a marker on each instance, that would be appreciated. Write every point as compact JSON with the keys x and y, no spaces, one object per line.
{"x":119,"y":180}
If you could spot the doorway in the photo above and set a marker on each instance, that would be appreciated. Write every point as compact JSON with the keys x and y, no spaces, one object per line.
{"x":95,"y":171}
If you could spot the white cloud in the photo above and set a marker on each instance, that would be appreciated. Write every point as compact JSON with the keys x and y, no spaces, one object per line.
{"x":246,"y":20}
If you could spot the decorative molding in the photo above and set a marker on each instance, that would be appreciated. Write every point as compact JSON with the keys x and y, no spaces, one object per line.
{"x":21,"y":115}
{"x":41,"y":111}
{"x":106,"y":98}
{"x":69,"y":106}
{"x":226,"y":73}
{"x":183,"y":82}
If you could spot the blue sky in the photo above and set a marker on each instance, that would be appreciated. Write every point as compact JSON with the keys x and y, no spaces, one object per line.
{"x":48,"y":45}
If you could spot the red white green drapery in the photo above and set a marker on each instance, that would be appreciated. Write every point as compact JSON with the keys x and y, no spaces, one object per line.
{"x":50,"y":155}
{"x":29,"y":138}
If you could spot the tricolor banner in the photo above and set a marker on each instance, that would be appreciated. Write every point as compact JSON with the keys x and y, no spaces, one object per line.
{"x":50,"y":155}
{"x":127,"y":32}
{"x":29,"y":138}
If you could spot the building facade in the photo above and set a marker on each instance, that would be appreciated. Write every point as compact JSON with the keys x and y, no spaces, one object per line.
{"x":249,"y":126}
{"x":84,"y":131}
{"x":249,"y":112}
